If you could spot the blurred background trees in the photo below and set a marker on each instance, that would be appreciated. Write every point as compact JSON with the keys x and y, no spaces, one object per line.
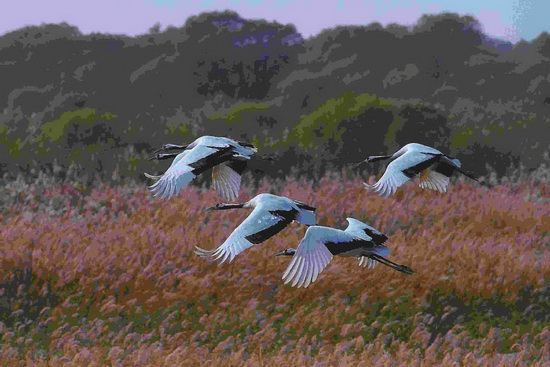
{"x":102,"y":103}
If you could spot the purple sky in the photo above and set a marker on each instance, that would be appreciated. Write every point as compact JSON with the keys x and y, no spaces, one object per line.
{"x":506,"y":19}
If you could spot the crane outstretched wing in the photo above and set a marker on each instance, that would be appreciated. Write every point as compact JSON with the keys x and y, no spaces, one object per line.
{"x":260,"y":225}
{"x":401,"y":170}
{"x":364,"y":231}
{"x":434,"y":180}
{"x":172,"y":181}
{"x":185,"y":167}
{"x":313,"y":255}
{"x":226,"y":179}
{"x":437,"y":177}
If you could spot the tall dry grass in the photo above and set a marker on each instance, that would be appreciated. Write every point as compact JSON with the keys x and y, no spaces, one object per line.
{"x":107,"y":276}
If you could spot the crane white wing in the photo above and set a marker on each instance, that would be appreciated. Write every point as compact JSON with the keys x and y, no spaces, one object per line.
{"x":435,"y":181}
{"x":182,"y":170}
{"x":178,"y":158}
{"x":256,"y":228}
{"x":357,"y":228}
{"x":364,"y":231}
{"x":175,"y":161}
{"x":226,"y":179}
{"x":312,"y":256}
{"x":437,"y":177}
{"x":401,"y":170}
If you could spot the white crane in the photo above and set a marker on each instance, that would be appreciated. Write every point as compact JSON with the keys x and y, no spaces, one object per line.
{"x":411,"y":160}
{"x":271,"y":215}
{"x":321,"y":243}
{"x":227,"y":157}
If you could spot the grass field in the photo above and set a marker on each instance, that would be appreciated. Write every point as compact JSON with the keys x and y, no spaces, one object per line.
{"x":107,"y":276}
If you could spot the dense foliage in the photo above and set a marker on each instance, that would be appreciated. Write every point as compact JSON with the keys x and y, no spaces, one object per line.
{"x":101,"y":103}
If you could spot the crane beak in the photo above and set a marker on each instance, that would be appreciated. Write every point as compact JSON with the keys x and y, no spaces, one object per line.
{"x":158,"y":150}
{"x":212,"y":208}
{"x":155,"y":157}
{"x":360,"y":163}
{"x":287,"y":252}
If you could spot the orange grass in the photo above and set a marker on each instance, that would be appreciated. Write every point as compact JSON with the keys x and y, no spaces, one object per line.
{"x":109,"y":278}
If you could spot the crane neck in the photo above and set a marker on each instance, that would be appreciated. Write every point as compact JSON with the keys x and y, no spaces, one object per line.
{"x":374,"y":158}
{"x":226,"y":206}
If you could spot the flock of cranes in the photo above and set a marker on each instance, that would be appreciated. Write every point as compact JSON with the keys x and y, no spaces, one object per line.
{"x":271,"y":213}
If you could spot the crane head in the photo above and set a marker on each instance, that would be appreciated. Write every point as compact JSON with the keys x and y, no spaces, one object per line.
{"x":358,"y":164}
{"x":222,"y":206}
{"x":166,"y":147}
{"x":374,"y":158}
{"x":287,"y":252}
{"x":160,"y":156}
{"x":215,"y":207}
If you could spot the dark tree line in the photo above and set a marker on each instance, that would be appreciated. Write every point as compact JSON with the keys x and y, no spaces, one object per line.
{"x":102,"y":102}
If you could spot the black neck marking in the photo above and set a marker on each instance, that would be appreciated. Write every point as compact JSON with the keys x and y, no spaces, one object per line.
{"x":227,"y":206}
{"x":163,"y":156}
{"x":374,"y":158}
